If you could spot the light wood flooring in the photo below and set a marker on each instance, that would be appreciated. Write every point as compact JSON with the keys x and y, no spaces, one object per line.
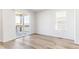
{"x":39,"y":42}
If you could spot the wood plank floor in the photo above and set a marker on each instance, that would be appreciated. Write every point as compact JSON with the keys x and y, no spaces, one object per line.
{"x":39,"y":42}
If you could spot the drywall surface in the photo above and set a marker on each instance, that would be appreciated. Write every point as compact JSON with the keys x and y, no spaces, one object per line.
{"x":32,"y":22}
{"x":9,"y":26}
{"x":0,"y":25}
{"x":77,"y":26}
{"x":46,"y":24}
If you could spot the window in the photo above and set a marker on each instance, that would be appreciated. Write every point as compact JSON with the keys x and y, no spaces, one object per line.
{"x":60,"y":20}
{"x":17,"y":20}
{"x":26,"y":20}
{"x":19,"y":23}
{"x":22,"y":23}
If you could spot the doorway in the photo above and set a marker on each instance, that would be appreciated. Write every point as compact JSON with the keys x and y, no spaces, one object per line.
{"x":22,"y":25}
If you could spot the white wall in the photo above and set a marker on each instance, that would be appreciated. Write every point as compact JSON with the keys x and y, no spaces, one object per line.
{"x":33,"y":22}
{"x":77,"y":26}
{"x":46,"y":22}
{"x":0,"y":25}
{"x":9,"y":29}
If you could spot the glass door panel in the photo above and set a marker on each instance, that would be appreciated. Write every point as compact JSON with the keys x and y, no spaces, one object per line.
{"x":22,"y":25}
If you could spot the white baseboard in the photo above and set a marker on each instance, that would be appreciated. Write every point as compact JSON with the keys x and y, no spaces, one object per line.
{"x":53,"y":36}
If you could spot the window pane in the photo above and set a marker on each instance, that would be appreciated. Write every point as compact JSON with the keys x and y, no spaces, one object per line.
{"x":17,"y":20}
{"x":60,"y":20}
{"x":26,"y":20}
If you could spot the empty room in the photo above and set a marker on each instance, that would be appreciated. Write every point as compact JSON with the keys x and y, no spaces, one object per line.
{"x":39,"y":29}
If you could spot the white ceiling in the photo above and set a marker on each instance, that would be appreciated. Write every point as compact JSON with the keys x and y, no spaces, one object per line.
{"x":37,"y":10}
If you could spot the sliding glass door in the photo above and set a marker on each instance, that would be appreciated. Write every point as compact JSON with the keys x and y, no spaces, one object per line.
{"x":22,"y":25}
